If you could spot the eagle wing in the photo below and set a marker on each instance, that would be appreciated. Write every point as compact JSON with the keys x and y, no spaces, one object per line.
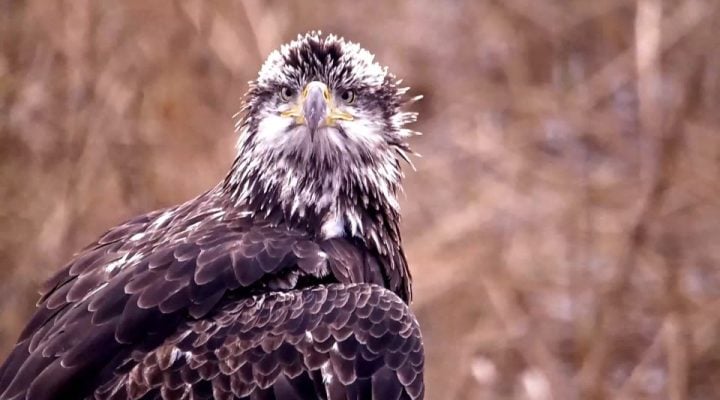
{"x":329,"y":342}
{"x":154,"y":278}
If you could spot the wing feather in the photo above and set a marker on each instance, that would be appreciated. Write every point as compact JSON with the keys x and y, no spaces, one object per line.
{"x":135,"y":283}
{"x":382,"y":360}
{"x":166,"y":306}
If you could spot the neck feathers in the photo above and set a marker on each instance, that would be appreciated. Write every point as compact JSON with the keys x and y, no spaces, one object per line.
{"x":328,"y":197}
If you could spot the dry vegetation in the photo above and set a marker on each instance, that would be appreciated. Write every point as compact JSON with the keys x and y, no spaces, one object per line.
{"x":563,"y":224}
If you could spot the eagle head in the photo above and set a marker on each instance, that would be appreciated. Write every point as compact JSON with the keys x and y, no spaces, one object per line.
{"x":321,"y":132}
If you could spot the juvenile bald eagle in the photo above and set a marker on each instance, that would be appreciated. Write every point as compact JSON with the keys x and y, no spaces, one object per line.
{"x":285,"y":281}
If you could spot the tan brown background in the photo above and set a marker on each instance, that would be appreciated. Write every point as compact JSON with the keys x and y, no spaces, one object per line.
{"x":562,"y":226}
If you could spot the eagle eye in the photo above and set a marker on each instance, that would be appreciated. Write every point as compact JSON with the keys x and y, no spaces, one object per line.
{"x":347,"y":96}
{"x":286,"y":93}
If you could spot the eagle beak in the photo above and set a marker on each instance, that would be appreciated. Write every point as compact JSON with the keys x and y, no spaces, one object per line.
{"x":316,"y":103}
{"x":315,"y":108}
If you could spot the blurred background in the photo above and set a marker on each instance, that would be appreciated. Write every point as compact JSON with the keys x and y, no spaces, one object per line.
{"x":563,"y":224}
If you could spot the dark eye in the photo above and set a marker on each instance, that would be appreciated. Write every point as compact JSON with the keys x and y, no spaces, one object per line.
{"x":286,"y":93}
{"x":347,"y":96}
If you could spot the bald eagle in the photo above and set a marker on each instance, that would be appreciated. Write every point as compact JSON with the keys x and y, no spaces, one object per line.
{"x":287,"y":280}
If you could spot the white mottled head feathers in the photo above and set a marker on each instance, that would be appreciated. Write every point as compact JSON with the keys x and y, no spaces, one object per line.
{"x":343,"y":167}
